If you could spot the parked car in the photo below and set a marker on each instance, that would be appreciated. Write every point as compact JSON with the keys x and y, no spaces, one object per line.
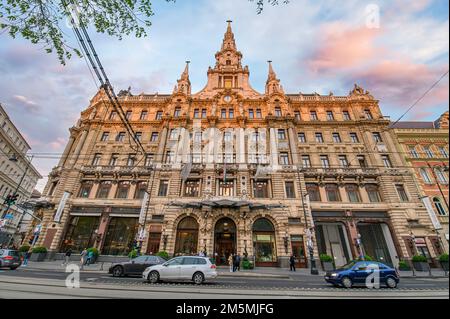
{"x":196,"y":269}
{"x":10,"y":259}
{"x":135,"y":266}
{"x":356,"y":273}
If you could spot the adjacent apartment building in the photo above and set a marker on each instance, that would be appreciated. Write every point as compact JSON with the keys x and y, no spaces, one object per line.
{"x":425,"y":148}
{"x":17,"y":176}
{"x":230,"y":169}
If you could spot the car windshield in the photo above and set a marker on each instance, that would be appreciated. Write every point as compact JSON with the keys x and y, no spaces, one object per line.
{"x":348,"y":266}
{"x":14,"y":253}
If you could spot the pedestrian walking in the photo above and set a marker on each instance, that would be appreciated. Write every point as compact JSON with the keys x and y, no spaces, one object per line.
{"x":231,"y":262}
{"x":27,"y":257}
{"x":292,"y":263}
{"x":67,"y":256}
{"x":238,"y":262}
{"x":90,"y":257}
{"x":83,"y":257}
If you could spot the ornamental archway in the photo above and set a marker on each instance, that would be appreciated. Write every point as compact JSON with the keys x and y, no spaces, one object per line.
{"x":264,"y":244}
{"x":225,"y":239}
{"x":186,"y":242}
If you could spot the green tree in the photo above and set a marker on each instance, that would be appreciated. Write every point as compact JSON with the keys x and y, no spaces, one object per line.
{"x":47,"y":22}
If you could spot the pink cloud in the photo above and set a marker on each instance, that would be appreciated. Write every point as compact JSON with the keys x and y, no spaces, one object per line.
{"x":58,"y":144}
{"x":344,"y":47}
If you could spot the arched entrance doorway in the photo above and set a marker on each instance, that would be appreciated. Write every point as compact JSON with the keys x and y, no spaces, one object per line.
{"x":264,"y":245}
{"x":187,"y":237}
{"x":224,"y":240}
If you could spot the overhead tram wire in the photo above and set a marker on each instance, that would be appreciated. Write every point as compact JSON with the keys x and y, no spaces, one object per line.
{"x":105,"y":83}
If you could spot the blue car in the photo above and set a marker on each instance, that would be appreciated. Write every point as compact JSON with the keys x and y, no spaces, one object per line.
{"x":356,"y":272}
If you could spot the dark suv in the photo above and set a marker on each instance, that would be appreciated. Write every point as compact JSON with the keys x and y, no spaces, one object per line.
{"x":10,"y":259}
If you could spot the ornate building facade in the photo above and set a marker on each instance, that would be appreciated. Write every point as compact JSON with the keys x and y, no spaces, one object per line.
{"x":230,"y":169}
{"x":425,"y":146}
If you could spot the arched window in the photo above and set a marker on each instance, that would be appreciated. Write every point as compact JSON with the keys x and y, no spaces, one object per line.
{"x":333,"y":194}
{"x":426,"y":178}
{"x":264,"y":242}
{"x":353,"y":193}
{"x":313,"y":192}
{"x":373,"y":193}
{"x":439,"y":207}
{"x":187,"y":237}
{"x":123,"y":190}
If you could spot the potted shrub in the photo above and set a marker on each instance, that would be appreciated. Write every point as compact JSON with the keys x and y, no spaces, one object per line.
{"x":38,"y":254}
{"x":247,"y":264}
{"x":443,"y":259}
{"x":23,"y":250}
{"x":403,"y":265}
{"x":327,"y":262}
{"x":163,"y":254}
{"x":133,"y":254}
{"x":95,"y":254}
{"x":420,"y":263}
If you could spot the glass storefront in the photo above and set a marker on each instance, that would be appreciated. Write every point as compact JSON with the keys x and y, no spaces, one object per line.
{"x":224,"y":240}
{"x":264,"y":242}
{"x":120,"y":236}
{"x":80,"y":233}
{"x":187,"y":237}
{"x":374,"y":243}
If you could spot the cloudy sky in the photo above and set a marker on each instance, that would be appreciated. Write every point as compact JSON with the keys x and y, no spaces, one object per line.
{"x":317,"y":46}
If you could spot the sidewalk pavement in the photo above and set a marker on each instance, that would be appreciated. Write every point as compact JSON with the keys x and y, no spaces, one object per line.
{"x":259,"y":272}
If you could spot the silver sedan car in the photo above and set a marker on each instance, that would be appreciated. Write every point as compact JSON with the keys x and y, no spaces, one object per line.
{"x":187,"y":268}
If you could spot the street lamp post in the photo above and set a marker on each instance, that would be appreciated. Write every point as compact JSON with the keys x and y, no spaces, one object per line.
{"x":309,"y":232}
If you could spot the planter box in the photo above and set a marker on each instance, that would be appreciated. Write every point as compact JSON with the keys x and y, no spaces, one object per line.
{"x":327,"y":266}
{"x":444,"y":265}
{"x":38,"y":257}
{"x":421,"y":266}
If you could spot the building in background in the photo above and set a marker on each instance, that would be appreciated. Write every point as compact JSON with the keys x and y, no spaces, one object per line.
{"x":425,"y":146}
{"x":230,"y":169}
{"x":17,"y":176}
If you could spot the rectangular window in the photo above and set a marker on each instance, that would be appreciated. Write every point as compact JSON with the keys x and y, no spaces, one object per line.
{"x":333,"y":194}
{"x":278,"y":112}
{"x":231,"y":113}
{"x":261,"y":189}
{"x":103,"y":190}
{"x":196,"y":113}
{"x":251,"y":114}
{"x":128,"y":115}
{"x":402,"y":193}
{"x":301,"y":138}
{"x":428,"y":152}
{"x":386,"y":161}
{"x":306,"y":161}
{"x":362,"y":161}
{"x":105,"y":136}
{"x":113,"y":115}
{"x":226,"y":188}
{"x":170,"y":157}
{"x":192,"y":188}
{"x":313,"y":192}
{"x":413,"y":152}
{"x":337,"y":138}
{"x":297,"y":116}
{"x":159,"y":115}
{"x":97,"y":159}
{"x":353,"y":193}
{"x":443,"y":152}
{"x":139,"y":136}
{"x":281,"y":134}
{"x":354,"y":137}
{"x":114,"y":160}
{"x":120,"y":137}
{"x":144,"y":115}
{"x":154,"y":137}
{"x":177,"y":112}
{"x":330,"y":116}
{"x":343,"y":161}
{"x":163,"y":188}
{"x":173,"y":134}
{"x":258,"y":114}
{"x":223,"y":114}
{"x":227,"y":137}
{"x":123,"y":189}
{"x":85,"y":189}
{"x":324,"y":161}
{"x":373,"y":193}
{"x":319,"y":138}
{"x":204,"y":113}
{"x":284,"y":158}
{"x":149,"y":160}
{"x":314,"y":116}
{"x":290,"y":191}
{"x":131,"y":160}
{"x":368,"y":114}
{"x":377,"y":137}
{"x":346,"y":115}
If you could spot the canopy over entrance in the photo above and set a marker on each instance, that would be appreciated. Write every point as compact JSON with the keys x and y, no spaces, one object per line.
{"x":226,"y":203}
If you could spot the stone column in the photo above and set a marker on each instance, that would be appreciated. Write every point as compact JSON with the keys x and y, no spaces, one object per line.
{"x":162,"y":144}
{"x":293,"y":146}
{"x":273,"y":149}
{"x":78,"y":148}
{"x":69,"y":145}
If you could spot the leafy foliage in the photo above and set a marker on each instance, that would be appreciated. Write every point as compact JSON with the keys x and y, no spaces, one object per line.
{"x":133,"y":254}
{"x":443,"y":258}
{"x":94,"y":251}
{"x":24,"y":249}
{"x":48,"y":23}
{"x":247,"y":264}
{"x":419,"y":259}
{"x":403,"y":265}
{"x":163,"y":254}
{"x":39,"y":250}
{"x":260,"y":4}
{"x":326,"y":258}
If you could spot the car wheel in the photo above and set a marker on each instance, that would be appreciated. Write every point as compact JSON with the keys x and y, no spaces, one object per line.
{"x":118,"y":271}
{"x":153,"y":277}
{"x":198,"y":278}
{"x":347,"y":282}
{"x":391,"y":283}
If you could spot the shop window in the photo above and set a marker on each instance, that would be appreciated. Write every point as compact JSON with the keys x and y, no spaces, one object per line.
{"x":187,"y":237}
{"x":120,"y":236}
{"x":80,"y":233}
{"x":264,"y":242}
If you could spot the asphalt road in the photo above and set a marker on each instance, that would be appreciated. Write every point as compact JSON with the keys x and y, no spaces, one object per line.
{"x":293,"y":282}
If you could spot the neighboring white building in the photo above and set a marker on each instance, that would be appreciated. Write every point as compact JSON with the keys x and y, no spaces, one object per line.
{"x":13,"y":145}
